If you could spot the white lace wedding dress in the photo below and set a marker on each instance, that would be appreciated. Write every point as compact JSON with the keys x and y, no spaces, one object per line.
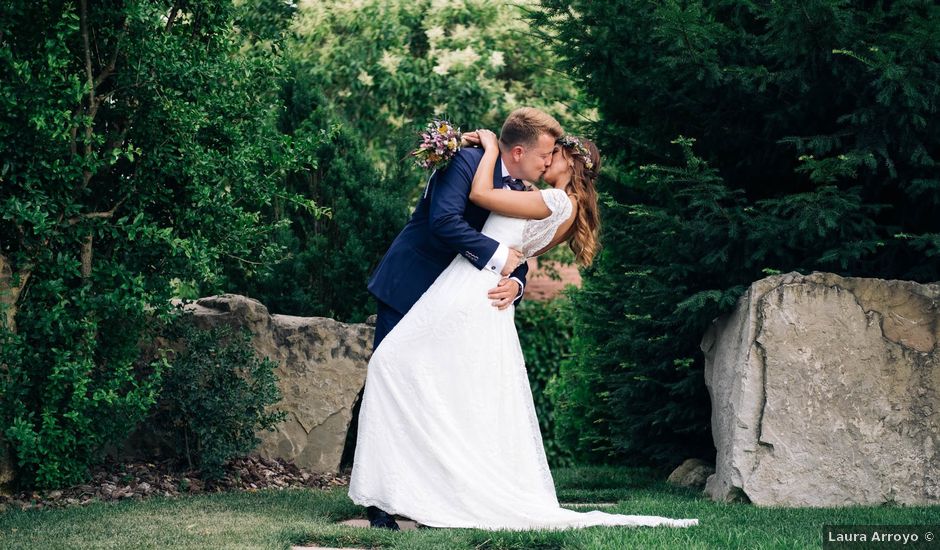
{"x":448,"y":434}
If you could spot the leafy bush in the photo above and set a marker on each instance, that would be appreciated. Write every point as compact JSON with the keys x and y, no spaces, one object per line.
{"x":214,"y":397}
{"x":70,"y":384}
{"x":330,"y":259}
{"x":812,"y":151}
{"x":139,"y":145}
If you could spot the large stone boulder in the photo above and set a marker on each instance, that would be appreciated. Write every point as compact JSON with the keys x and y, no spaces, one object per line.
{"x":321,"y":368}
{"x":824,"y":392}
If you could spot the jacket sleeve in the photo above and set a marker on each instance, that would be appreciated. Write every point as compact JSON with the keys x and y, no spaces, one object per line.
{"x":449,"y":196}
{"x":520,"y":273}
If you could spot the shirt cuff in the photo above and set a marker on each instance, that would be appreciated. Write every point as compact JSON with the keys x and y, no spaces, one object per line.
{"x":521,"y":287}
{"x":498,"y":261}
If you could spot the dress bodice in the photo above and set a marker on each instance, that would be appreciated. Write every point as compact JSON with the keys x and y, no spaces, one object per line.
{"x":530,"y":236}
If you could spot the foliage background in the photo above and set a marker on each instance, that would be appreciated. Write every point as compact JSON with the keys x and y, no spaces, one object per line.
{"x":370,"y":74}
{"x":151,"y":149}
{"x":138,"y":146}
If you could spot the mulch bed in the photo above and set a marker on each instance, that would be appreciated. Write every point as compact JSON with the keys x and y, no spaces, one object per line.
{"x":114,"y":481}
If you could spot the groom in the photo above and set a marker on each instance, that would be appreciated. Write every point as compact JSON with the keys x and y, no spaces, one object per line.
{"x":445,"y":223}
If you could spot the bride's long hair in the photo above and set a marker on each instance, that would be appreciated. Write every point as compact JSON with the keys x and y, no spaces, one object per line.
{"x":583,"y":235}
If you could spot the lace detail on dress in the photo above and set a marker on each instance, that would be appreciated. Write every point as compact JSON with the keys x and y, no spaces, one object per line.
{"x":538,"y":233}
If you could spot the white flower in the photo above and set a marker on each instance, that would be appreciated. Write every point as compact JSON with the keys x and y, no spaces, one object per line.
{"x":365,"y":78}
{"x":590,"y":114}
{"x":434,"y":34}
{"x":466,"y":57}
{"x":444,"y":63}
{"x":441,"y":5}
{"x":390,"y":62}
{"x":398,"y":121}
{"x":450,"y":59}
{"x":462,"y":32}
{"x":559,"y":107}
{"x":497,"y":59}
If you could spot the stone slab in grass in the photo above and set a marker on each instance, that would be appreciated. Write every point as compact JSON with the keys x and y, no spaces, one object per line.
{"x":404,"y":524}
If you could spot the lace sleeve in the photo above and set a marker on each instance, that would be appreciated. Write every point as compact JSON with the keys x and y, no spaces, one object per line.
{"x":558,"y":202}
{"x":538,"y":233}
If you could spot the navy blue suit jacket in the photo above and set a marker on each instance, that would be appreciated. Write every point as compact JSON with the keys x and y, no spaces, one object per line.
{"x":443,"y":224}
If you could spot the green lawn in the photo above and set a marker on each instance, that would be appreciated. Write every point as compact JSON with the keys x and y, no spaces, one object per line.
{"x":279,"y":519}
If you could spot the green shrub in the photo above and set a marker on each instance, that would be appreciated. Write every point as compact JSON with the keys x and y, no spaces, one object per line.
{"x":581,"y":403}
{"x":215,"y":395}
{"x":70,"y":382}
{"x":327,"y":271}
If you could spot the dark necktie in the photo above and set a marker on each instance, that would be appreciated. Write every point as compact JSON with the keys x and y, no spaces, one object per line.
{"x":514,"y":184}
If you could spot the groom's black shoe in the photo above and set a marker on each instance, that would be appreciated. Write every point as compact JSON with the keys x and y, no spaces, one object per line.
{"x":380,"y":518}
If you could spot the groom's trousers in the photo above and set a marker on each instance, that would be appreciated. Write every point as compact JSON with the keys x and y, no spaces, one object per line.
{"x":385,"y":320}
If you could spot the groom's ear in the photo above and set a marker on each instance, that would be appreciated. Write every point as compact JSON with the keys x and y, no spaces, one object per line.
{"x":516,"y":152}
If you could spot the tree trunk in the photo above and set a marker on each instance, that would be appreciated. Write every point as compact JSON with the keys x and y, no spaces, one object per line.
{"x":9,"y":294}
{"x":86,"y":256}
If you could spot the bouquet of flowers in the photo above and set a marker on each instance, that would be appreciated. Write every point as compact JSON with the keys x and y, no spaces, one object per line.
{"x":440,"y":141}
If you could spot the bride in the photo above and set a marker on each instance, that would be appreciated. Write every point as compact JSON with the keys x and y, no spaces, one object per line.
{"x":448,"y":434}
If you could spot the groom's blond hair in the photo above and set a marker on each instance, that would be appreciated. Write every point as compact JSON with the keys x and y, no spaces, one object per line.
{"x":524,"y":126}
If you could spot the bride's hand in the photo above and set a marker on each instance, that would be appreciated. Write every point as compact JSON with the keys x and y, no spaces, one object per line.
{"x":469,"y":138}
{"x":487,"y":139}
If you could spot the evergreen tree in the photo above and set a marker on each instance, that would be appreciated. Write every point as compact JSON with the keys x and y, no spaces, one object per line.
{"x":808,"y":146}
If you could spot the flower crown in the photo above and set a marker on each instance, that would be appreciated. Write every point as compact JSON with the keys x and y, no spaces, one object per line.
{"x":572,"y":142}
